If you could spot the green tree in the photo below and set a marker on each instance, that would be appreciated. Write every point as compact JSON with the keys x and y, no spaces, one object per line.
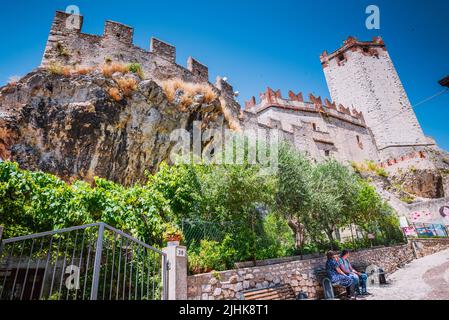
{"x":334,"y":188}
{"x":367,"y":207}
{"x":294,"y":193}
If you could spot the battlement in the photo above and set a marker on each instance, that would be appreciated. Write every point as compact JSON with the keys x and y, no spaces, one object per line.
{"x":271,"y":98}
{"x":367,"y":48}
{"x":66,"y":22}
{"x":118,"y":32}
{"x":408,"y":156}
{"x":197,"y":68}
{"x":163,"y":49}
{"x":69,"y":46}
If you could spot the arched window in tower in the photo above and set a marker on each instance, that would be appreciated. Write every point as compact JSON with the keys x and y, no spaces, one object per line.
{"x":341,"y":58}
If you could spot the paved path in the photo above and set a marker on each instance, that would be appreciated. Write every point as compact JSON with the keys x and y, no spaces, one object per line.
{"x":423,"y":279}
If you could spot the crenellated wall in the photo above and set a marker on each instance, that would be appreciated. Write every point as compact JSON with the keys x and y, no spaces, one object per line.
{"x":318,"y":129}
{"x":69,"y":46}
{"x":272,"y":98}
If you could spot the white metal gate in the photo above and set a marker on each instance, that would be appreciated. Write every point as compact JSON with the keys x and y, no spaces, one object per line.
{"x":93,"y":262}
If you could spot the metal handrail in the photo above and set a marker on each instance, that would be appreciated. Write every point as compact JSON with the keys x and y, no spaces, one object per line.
{"x":96,"y":224}
{"x":133,"y":239}
{"x":49,"y":233}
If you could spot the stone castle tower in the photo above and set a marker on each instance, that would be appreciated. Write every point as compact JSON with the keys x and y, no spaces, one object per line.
{"x":361,"y":75}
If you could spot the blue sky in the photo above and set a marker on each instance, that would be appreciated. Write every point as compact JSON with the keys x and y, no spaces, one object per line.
{"x":258,"y":43}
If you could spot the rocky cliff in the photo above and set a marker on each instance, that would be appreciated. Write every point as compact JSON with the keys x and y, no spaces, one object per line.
{"x":85,"y":124}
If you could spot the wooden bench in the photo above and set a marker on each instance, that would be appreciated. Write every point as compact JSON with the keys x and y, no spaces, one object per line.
{"x":280,"y":292}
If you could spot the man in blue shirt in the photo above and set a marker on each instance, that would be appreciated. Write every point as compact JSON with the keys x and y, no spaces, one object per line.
{"x":358,"y":278}
{"x":336,"y":275}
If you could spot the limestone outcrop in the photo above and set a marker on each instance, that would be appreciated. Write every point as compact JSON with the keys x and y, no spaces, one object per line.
{"x":86,"y":125}
{"x":424,"y":183}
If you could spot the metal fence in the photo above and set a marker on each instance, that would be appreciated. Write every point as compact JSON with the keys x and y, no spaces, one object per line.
{"x":196,"y":230}
{"x":89,"y":262}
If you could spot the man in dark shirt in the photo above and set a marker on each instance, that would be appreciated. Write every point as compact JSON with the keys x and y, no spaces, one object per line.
{"x":358,"y":278}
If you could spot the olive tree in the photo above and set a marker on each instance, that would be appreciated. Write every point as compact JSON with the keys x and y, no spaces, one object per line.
{"x":333,"y":192}
{"x":293,"y":197}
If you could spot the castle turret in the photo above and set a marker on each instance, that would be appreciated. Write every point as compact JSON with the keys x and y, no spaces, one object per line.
{"x":361,"y":75}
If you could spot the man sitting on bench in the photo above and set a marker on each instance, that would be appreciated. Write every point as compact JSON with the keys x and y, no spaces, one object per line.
{"x":358,"y":278}
{"x":336,"y":275}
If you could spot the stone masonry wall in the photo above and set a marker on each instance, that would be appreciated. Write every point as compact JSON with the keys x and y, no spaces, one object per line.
{"x":70,"y":46}
{"x":67,"y":45}
{"x":425,"y":247}
{"x":230,"y":284}
{"x":335,"y":135}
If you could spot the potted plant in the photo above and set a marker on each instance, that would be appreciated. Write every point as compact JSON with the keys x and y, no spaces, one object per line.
{"x":173,"y":235}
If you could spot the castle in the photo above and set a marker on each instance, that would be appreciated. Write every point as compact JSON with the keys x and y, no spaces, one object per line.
{"x":370,"y":117}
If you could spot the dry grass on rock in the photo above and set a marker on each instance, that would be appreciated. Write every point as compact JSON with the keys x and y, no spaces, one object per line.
{"x":190,"y":90}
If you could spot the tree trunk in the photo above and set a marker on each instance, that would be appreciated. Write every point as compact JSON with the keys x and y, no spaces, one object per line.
{"x":298,"y":230}
{"x":330,"y":236}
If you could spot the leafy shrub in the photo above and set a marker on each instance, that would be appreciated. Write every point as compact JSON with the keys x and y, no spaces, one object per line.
{"x":33,"y":202}
{"x":61,"y":50}
{"x":136,"y":68}
{"x":276,"y":240}
{"x":369,"y":166}
{"x":212,"y":255}
{"x":408,"y":199}
{"x":381,"y":172}
{"x":249,"y":210}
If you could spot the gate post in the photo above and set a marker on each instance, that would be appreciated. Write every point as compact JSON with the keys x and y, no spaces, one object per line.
{"x":177,"y":272}
{"x":97,"y":262}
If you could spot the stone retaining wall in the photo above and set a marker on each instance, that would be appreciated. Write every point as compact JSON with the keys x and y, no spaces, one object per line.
{"x":425,"y":247}
{"x":301,"y":274}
